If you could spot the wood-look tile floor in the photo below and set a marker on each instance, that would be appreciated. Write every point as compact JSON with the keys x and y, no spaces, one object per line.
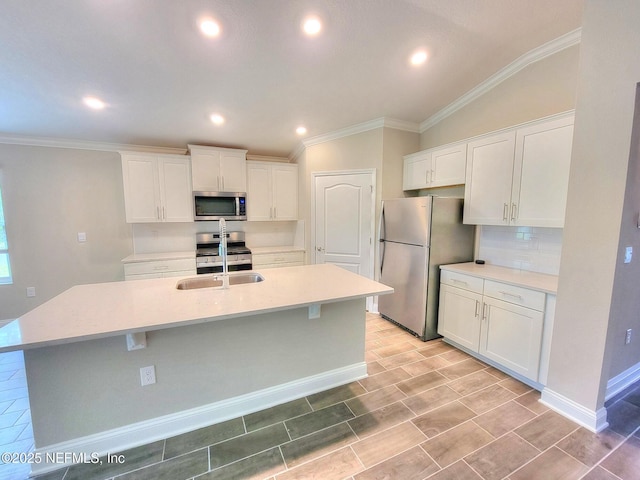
{"x":426,"y":410}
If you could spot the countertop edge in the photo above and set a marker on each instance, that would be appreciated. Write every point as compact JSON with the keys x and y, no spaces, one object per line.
{"x":541,"y":282}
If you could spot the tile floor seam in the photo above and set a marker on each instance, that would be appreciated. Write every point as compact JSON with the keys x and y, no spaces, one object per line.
{"x":430,"y":457}
{"x":542,"y":453}
{"x":612,"y":451}
{"x":387,"y":458}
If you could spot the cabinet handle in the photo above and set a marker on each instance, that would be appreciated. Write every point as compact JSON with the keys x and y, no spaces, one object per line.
{"x":514,"y":210}
{"x":455,"y":280}
{"x":158,"y":213}
{"x":485,"y":311}
{"x":508,"y":294}
{"x":426,"y":176}
{"x":477,"y":308}
{"x":433,"y":175}
{"x":164,"y":213}
{"x":505,"y":212}
{"x":275,"y":212}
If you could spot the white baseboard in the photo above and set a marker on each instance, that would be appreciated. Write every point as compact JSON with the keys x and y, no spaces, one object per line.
{"x":124,"y":438}
{"x":618,"y":383}
{"x":595,"y":421}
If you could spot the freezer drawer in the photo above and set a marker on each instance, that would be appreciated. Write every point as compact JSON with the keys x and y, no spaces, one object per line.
{"x":404,"y":268}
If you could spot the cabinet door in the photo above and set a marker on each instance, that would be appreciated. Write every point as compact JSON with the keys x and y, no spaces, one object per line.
{"x":141,"y":188}
{"x":417,"y":170}
{"x":541,"y":173}
{"x":448,"y":166}
{"x":233,"y":172}
{"x":205,"y":171}
{"x":487,"y":196}
{"x":259,"y":206}
{"x":512,"y":336}
{"x":175,"y":189}
{"x":285,"y":192}
{"x":459,"y":316}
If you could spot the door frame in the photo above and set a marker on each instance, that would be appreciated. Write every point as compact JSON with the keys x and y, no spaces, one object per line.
{"x":372,"y":232}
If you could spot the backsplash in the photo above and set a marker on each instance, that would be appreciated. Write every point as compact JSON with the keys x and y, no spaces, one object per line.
{"x":526,"y":248}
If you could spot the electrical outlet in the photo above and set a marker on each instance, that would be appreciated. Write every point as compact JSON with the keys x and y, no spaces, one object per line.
{"x":82,"y":237}
{"x":627,"y":338}
{"x":31,"y":291}
{"x":148,"y":375}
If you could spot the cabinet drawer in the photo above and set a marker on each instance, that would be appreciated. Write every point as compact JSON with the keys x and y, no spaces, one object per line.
{"x":277,"y":258}
{"x":468,"y":282}
{"x":516,"y":295}
{"x":160,"y":266}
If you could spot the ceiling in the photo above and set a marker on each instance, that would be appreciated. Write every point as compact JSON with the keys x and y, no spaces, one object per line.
{"x":161,"y":78}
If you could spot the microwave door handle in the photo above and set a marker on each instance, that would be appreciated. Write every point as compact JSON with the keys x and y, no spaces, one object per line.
{"x":237,"y":203}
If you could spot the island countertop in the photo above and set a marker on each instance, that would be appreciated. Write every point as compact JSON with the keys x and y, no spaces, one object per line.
{"x":117,"y":308}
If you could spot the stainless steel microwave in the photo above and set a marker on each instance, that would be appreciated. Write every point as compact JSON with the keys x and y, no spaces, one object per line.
{"x":218,"y":205}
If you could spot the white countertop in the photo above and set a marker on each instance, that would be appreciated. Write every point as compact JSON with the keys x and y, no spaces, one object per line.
{"x":151,"y":257}
{"x":108,"y":309}
{"x":278,"y":249}
{"x":522,"y":278}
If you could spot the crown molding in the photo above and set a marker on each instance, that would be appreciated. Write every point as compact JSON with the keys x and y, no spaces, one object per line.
{"x":550,"y":48}
{"x":267,"y":158}
{"x":86,"y":145}
{"x":362,"y":127}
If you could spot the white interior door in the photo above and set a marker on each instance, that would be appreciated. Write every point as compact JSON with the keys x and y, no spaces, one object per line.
{"x":344,"y":220}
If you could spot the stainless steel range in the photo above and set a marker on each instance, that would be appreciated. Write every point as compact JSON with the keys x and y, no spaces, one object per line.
{"x":208,"y":259}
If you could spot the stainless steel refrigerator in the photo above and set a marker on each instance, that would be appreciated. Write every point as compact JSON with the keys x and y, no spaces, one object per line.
{"x":417,"y":235}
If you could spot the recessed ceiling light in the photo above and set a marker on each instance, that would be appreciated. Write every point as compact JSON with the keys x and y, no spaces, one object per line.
{"x":301,"y":130}
{"x":210,"y":27}
{"x":419,"y":57}
{"x":312,"y":26}
{"x":217,"y":119}
{"x":94,"y":103}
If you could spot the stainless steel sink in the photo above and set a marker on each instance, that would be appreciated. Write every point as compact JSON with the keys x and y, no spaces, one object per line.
{"x":216,"y":281}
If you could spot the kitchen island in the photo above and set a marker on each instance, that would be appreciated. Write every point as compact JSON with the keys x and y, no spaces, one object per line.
{"x":218,"y":354}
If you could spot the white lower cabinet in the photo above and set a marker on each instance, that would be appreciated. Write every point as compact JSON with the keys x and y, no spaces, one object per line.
{"x":160,"y":269}
{"x":277,"y":259}
{"x":499,"y":321}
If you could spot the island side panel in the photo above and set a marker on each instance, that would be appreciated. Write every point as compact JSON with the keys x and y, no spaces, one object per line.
{"x":89,"y":387}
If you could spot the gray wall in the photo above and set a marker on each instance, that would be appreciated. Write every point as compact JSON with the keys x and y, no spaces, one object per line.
{"x":51,"y":194}
{"x":90,"y":387}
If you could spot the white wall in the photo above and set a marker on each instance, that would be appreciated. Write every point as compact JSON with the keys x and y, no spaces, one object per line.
{"x":51,"y":194}
{"x":381,"y":149}
{"x":592,"y":309}
{"x":539,"y":90}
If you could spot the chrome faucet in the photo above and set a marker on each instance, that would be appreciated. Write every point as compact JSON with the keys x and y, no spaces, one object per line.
{"x":222,"y":251}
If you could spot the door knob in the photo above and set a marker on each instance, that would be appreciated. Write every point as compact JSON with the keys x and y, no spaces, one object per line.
{"x":320,"y":249}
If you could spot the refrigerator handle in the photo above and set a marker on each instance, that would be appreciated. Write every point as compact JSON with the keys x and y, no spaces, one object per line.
{"x":381,"y":237}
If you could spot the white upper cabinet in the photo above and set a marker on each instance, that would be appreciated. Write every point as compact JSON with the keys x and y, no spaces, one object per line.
{"x":487,"y":193}
{"x":520,"y":177}
{"x":436,"y":167}
{"x":417,"y":169}
{"x":157,"y":188}
{"x":541,"y":173}
{"x":272,"y":191}
{"x":216,"y":169}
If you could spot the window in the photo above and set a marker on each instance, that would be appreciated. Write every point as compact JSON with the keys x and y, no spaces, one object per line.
{"x":5,"y":266}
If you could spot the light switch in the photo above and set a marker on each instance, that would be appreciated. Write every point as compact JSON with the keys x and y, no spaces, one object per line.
{"x":628,"y":253}
{"x":82,"y":237}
